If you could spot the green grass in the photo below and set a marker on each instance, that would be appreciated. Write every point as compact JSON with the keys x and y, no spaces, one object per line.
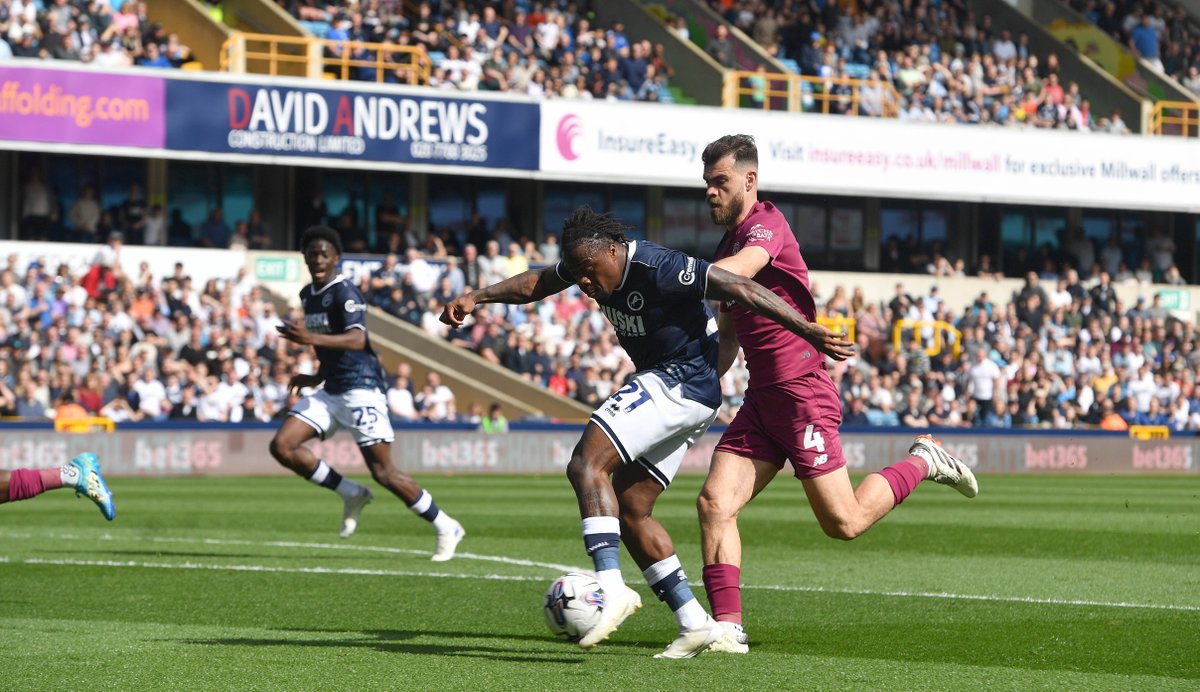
{"x":243,"y":584}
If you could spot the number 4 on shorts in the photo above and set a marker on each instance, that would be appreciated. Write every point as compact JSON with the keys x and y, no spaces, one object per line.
{"x":812,"y":438}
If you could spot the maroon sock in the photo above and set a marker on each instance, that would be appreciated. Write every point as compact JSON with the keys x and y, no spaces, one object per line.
{"x":24,"y":484}
{"x":903,"y":476}
{"x":51,"y":478}
{"x":723,"y":584}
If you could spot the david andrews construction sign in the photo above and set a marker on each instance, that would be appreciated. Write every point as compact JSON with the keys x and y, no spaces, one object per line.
{"x":384,"y":125}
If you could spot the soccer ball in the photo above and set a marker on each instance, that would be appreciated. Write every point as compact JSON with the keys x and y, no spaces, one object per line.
{"x":573,"y":605}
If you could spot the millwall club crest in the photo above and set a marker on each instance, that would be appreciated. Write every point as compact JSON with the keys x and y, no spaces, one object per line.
{"x":327,"y":300}
{"x":635,"y":301}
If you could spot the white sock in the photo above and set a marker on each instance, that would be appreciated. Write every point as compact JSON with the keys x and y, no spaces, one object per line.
{"x":444,"y":522}
{"x":610,"y":579}
{"x":69,"y":475}
{"x":662,"y":568}
{"x":691,"y":616}
{"x":422,"y":503}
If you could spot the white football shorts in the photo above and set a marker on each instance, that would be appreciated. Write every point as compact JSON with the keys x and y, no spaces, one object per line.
{"x":363,"y":411}
{"x":652,"y":424}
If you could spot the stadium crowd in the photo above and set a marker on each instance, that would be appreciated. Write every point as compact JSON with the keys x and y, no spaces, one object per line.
{"x":948,"y":64}
{"x":543,"y":50}
{"x":95,"y":341}
{"x":108,"y":34}
{"x":1057,"y":353}
{"x":1160,"y":33}
{"x":1061,"y":352}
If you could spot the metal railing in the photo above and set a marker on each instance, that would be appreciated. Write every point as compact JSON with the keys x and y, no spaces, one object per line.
{"x":800,"y":93}
{"x":1178,"y":118}
{"x":943,"y":334}
{"x":319,"y":58}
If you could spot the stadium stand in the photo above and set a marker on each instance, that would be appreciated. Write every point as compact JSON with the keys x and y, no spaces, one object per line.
{"x":948,"y":64}
{"x":99,"y":33}
{"x":545,"y":53}
{"x":1161,"y":33}
{"x":131,"y":347}
{"x":152,"y":347}
{"x":1056,"y":353}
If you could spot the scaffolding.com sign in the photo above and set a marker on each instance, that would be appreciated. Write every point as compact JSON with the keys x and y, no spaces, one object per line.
{"x":662,"y":145}
{"x":386,"y":125}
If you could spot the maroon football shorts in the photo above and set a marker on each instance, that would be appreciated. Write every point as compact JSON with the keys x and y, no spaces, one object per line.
{"x":795,"y":421}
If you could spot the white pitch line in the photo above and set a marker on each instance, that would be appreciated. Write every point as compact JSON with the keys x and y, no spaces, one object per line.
{"x":529,"y":563}
{"x":518,"y":562}
{"x":973,"y":597}
{"x":270,"y":568}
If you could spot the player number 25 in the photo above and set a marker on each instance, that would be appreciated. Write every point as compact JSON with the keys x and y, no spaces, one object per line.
{"x":367,"y":416}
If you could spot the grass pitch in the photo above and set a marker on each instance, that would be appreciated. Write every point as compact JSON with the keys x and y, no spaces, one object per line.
{"x":1040,"y":582}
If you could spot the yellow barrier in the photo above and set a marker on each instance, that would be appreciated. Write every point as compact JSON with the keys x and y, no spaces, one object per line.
{"x":1149,"y":432}
{"x":793,"y":92}
{"x":268,"y":53}
{"x":85,"y":425}
{"x":838,"y":323}
{"x":1179,"y":118}
{"x":939,"y":328}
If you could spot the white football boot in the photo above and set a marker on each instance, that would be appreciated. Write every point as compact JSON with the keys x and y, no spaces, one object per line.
{"x":943,"y":468}
{"x":733,"y":639}
{"x":691,"y":642}
{"x":352,"y":509}
{"x":618,"y":605}
{"x":447,"y":542}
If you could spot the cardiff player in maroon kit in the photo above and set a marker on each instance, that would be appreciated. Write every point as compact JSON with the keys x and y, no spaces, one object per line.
{"x":792,"y":409}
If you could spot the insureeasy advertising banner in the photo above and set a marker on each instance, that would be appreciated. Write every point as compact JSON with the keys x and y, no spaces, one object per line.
{"x":81,"y":107}
{"x":843,"y":155}
{"x":376,"y":125}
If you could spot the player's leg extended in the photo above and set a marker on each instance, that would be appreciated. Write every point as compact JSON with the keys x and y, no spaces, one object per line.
{"x":845,"y":512}
{"x":592,"y":463}
{"x":450,"y":533}
{"x":651,"y":547}
{"x":289,"y":450}
{"x":82,"y":474}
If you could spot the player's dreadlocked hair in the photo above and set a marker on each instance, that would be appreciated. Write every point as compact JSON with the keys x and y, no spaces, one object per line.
{"x":315,"y":233}
{"x":586,"y":227}
{"x":741,"y":146}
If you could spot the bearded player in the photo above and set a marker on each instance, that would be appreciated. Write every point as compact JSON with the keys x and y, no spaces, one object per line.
{"x":792,"y":409}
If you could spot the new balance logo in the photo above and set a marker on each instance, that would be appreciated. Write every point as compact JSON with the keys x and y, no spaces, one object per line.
{"x":820,"y":459}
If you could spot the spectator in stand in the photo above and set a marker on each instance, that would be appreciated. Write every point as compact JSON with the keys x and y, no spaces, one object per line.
{"x":84,"y":215}
{"x":494,"y":422}
{"x":214,"y":232}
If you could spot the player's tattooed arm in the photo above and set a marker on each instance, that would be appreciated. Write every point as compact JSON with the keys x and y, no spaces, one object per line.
{"x":724,"y":285}
{"x":526,"y":287}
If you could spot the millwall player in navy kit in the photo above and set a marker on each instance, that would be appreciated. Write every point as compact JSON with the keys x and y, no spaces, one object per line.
{"x":353,"y":396}
{"x":655,"y":299}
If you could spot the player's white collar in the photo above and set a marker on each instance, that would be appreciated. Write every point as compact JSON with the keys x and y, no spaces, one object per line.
{"x":631,"y":246}
{"x":336,"y":280}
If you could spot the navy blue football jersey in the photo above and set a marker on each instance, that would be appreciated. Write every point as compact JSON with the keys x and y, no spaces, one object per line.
{"x":337,"y":308}
{"x":662,"y":319}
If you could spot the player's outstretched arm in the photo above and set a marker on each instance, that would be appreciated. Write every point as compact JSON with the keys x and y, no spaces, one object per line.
{"x":724,"y":285}
{"x":526,"y":287}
